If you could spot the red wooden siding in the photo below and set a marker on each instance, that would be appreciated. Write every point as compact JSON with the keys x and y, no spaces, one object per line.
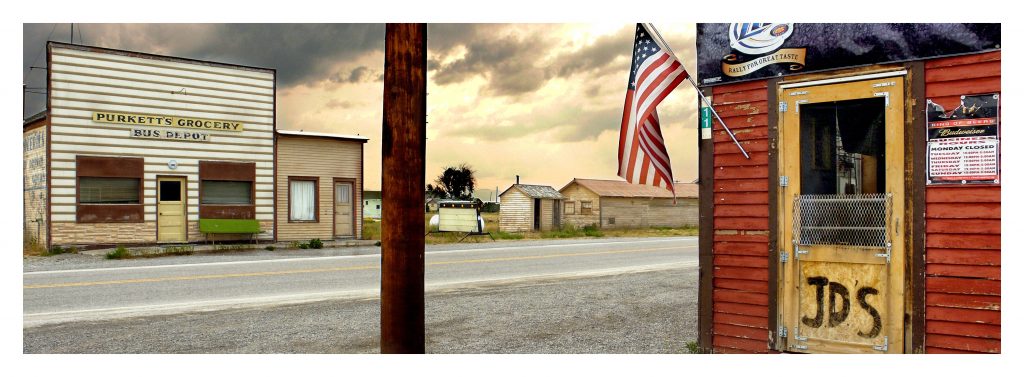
{"x":740,"y":249}
{"x":962,"y":231}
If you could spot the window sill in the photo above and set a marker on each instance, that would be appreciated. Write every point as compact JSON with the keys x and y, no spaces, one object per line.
{"x":109,"y":213}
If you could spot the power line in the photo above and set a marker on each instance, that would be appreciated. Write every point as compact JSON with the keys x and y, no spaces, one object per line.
{"x":24,"y":78}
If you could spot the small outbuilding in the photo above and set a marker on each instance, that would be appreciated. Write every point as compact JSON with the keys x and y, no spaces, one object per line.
{"x":432,"y":204}
{"x":620,"y":204}
{"x":319,"y":185}
{"x":527,"y":208}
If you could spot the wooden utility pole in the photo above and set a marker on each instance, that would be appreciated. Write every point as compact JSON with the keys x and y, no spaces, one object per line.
{"x":404,"y":151}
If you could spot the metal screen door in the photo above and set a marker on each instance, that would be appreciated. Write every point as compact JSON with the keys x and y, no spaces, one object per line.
{"x":840,"y":203}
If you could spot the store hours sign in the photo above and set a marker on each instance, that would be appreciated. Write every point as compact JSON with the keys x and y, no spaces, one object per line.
{"x":963,"y":144}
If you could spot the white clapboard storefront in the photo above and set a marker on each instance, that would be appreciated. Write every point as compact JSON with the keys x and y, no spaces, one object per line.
{"x":113,"y":112}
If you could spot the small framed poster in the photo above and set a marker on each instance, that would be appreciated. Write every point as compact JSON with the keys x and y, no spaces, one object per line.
{"x":963,"y":144}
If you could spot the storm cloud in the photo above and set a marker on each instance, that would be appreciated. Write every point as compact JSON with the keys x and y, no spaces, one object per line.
{"x":301,"y":53}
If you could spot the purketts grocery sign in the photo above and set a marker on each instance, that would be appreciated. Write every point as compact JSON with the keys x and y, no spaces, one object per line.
{"x":167,"y":121}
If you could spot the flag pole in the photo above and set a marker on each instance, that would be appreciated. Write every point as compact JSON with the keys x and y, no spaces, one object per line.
{"x":699,"y":92}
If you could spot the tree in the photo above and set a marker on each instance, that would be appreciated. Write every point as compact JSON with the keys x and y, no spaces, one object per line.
{"x":456,"y":182}
{"x":434,"y":191}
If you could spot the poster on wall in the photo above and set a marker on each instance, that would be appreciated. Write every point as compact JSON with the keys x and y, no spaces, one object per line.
{"x":752,"y":50}
{"x":963,"y":144}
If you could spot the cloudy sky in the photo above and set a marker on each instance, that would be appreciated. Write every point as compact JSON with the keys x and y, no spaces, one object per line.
{"x":540,"y":100}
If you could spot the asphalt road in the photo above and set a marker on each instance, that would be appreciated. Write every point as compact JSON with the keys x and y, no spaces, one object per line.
{"x":620,"y":295}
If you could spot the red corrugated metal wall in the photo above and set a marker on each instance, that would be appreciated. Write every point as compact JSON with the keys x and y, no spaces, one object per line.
{"x":962,"y":235}
{"x":740,"y":249}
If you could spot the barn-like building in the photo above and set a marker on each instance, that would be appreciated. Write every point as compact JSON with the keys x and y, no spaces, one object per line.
{"x":620,"y":204}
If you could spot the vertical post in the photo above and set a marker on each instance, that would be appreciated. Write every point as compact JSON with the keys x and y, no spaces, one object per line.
{"x":404,"y":173}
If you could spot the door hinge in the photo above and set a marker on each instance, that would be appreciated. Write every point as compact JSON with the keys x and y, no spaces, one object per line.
{"x":885,"y":345}
{"x":783,"y":332}
{"x":800,"y":347}
{"x":783,"y":256}
{"x":783,"y":181}
{"x":783,"y":106}
{"x":887,"y":254}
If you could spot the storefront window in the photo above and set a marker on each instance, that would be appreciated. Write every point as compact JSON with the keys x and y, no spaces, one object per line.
{"x":302,"y":196}
{"x":226,"y":192}
{"x":101,"y":190}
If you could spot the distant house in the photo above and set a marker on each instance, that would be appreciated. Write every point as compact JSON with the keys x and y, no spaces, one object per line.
{"x":371,"y":204}
{"x":619,"y":204}
{"x":432,"y":203}
{"x":529,"y":207}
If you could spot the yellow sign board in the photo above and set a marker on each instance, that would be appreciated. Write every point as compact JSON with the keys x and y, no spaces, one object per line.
{"x":166,"y":121}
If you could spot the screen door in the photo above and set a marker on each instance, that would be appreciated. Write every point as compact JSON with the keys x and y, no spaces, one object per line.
{"x":841,"y":201}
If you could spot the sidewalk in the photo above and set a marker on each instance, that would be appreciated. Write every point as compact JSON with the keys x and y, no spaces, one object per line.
{"x":174,"y":249}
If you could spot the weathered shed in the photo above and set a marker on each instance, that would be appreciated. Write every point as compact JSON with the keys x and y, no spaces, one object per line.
{"x":867,"y":218}
{"x":527,"y":208}
{"x":620,"y":204}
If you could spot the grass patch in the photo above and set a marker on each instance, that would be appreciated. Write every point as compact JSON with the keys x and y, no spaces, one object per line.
{"x":119,"y":253}
{"x":57,"y":250}
{"x":178,"y":250}
{"x":371,"y":229}
{"x":31,"y":245}
{"x":692,"y":347}
{"x":652,"y":232}
{"x":316,"y":244}
{"x":507,"y":236}
{"x":571,"y":231}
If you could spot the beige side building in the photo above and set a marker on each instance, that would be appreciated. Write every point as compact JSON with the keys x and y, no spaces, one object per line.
{"x":319,"y":186}
{"x":619,"y":204}
{"x":34,"y":184}
{"x":527,"y":208}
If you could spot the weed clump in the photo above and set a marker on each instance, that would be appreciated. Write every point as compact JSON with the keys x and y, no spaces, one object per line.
{"x":119,"y":253}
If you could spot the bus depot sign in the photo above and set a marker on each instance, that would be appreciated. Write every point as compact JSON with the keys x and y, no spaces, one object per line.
{"x":745,"y":51}
{"x":196,"y":124}
{"x":963,"y":144}
{"x":169,"y":135}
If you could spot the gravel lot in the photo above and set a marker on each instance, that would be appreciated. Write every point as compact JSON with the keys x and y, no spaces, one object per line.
{"x":643,"y":312}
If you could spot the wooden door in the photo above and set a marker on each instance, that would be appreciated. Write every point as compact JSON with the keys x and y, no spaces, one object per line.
{"x":171,"y":216}
{"x":343,"y":226}
{"x":556,"y":210}
{"x":537,"y":214}
{"x":841,"y":201}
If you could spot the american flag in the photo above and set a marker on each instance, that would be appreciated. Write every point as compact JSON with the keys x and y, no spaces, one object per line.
{"x":643,"y":158}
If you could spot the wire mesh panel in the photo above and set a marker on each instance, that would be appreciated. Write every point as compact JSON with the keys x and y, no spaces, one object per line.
{"x":850,"y":220}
